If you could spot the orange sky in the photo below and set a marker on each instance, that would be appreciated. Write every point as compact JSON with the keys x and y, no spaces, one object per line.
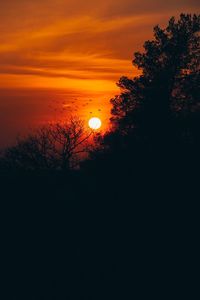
{"x":61,"y":57}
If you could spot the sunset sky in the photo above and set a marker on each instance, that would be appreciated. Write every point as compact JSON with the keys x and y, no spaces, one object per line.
{"x":62,"y":57}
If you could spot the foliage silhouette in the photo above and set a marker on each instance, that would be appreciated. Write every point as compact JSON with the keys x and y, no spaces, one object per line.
{"x":169,"y":83}
{"x":156,"y":117}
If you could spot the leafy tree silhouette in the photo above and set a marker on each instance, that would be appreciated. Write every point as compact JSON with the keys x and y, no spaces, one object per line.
{"x":169,"y":84}
{"x":156,"y":115}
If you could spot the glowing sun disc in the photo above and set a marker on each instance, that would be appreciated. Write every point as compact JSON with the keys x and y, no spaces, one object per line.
{"x":94,"y":123}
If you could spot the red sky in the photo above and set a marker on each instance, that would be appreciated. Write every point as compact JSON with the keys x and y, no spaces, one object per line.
{"x":62,"y":57}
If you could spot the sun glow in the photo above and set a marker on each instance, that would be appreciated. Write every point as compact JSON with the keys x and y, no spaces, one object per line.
{"x":94,"y":123}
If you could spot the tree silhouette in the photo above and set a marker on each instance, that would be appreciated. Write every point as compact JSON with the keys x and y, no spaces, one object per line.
{"x":52,"y":147}
{"x":169,"y":84}
{"x":156,"y":117}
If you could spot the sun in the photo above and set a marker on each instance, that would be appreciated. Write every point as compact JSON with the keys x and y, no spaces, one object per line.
{"x":94,"y":123}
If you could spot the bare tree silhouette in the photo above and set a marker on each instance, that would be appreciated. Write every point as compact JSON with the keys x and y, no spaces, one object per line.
{"x":52,"y":147}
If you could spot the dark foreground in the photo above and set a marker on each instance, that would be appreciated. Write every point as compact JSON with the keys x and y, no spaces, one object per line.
{"x":99,"y":235}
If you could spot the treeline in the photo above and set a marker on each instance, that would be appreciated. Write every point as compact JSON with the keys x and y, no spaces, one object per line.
{"x":156,"y":116}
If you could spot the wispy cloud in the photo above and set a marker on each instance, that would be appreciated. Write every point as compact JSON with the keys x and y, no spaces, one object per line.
{"x":77,"y":40}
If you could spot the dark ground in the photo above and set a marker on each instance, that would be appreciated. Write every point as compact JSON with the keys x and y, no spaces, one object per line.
{"x":99,"y":235}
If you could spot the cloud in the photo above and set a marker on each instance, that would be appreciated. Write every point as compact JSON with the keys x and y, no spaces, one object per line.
{"x":78,"y":39}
